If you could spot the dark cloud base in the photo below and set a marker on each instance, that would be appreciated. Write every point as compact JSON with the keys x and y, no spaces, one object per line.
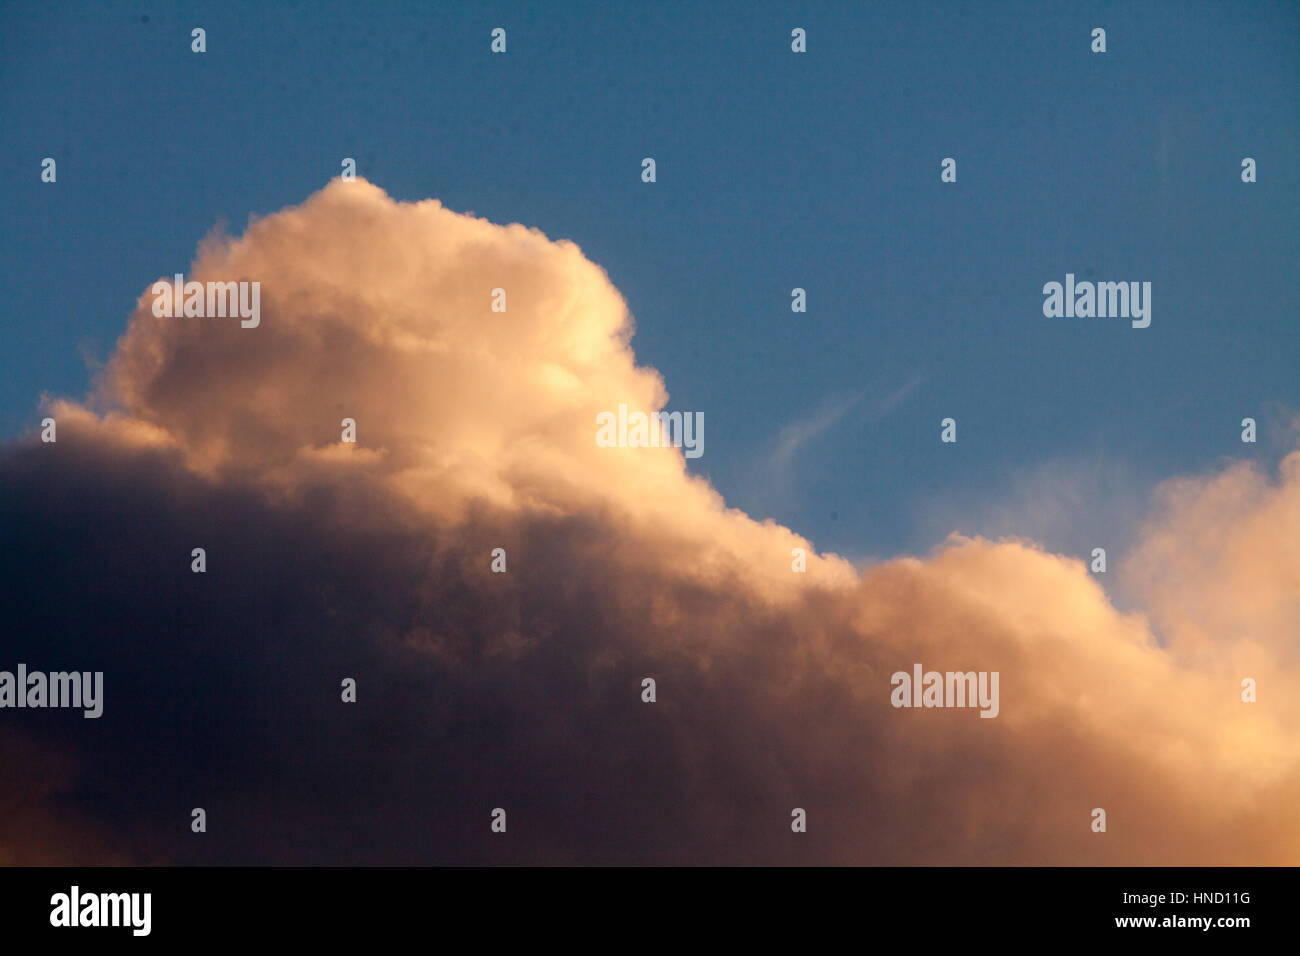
{"x":518,"y":690}
{"x":475,"y":690}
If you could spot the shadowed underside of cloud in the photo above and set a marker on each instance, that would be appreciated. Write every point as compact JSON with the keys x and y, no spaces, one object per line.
{"x":523,"y":690}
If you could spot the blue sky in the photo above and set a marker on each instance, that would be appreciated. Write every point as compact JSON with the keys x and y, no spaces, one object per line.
{"x":775,"y":170}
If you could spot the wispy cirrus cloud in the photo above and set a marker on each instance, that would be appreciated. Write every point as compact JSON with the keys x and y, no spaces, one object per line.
{"x":775,"y":479}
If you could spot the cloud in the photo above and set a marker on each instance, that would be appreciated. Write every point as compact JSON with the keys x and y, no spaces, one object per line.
{"x":1219,"y":564}
{"x":794,"y":436}
{"x":1070,"y":505}
{"x":522,"y":690}
{"x":774,"y":477}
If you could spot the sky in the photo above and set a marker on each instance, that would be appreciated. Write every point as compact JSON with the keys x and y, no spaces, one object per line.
{"x":774,"y":170}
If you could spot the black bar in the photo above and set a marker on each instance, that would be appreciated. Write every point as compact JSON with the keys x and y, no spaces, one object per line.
{"x":657,"y":906}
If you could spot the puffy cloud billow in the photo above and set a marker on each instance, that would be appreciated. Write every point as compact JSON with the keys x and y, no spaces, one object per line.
{"x":522,"y":690}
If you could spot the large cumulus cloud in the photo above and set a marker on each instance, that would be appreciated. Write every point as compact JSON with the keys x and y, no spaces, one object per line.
{"x":522,"y":690}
